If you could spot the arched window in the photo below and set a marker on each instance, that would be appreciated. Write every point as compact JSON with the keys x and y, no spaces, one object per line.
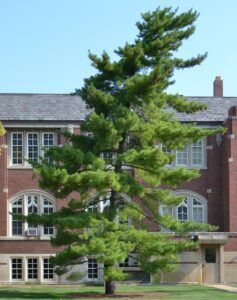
{"x":193,"y":208}
{"x":26,"y":203}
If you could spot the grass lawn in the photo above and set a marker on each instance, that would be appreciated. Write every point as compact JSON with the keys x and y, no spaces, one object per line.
{"x":184,"y":292}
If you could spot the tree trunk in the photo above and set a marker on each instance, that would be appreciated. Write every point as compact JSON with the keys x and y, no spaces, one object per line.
{"x":110,"y":288}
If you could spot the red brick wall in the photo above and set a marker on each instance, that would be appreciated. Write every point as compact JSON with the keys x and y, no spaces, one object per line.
{"x":230,"y":172}
{"x":211,"y":178}
{"x":24,"y":247}
{"x":3,"y":185}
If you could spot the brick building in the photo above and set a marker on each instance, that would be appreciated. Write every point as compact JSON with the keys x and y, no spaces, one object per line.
{"x":34,"y":121}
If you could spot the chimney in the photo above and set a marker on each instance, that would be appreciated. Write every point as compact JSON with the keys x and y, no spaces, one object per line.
{"x":218,"y":87}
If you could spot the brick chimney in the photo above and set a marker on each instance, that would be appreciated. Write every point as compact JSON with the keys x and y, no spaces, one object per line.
{"x":218,"y":87}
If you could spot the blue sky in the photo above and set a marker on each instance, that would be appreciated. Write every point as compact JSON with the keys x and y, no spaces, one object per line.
{"x":44,"y":43}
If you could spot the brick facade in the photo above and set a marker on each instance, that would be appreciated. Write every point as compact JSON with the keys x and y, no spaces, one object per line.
{"x":216,"y":184}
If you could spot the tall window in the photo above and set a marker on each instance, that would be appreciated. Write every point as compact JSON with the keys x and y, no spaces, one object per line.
{"x":31,"y":203}
{"x":182,"y":157}
{"x":197,"y":153}
{"x":29,"y":146}
{"x":33,"y":146}
{"x":17,"y":225}
{"x":16,"y":268}
{"x":48,"y":272}
{"x":17,"y":148}
{"x":32,"y":268}
{"x":193,"y":208}
{"x":190,"y":156}
{"x":92,"y":271}
{"x":48,"y":142}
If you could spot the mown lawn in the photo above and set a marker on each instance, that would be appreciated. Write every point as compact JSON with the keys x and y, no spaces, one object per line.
{"x":184,"y":292}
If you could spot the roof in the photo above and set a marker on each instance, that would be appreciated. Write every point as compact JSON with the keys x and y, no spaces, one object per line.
{"x":217,"y":110}
{"x":42,"y":107}
{"x":66,"y":107}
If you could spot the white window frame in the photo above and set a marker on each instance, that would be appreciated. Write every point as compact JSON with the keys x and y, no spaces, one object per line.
{"x":41,"y":196}
{"x":25,"y":145}
{"x":49,"y":269}
{"x":97,"y":269}
{"x":33,"y":268}
{"x":24,"y":269}
{"x":11,"y":148}
{"x":189,"y":163}
{"x":11,"y":269}
{"x":202,"y":153}
{"x":47,"y":147}
{"x":190,"y":196}
{"x":182,"y":151}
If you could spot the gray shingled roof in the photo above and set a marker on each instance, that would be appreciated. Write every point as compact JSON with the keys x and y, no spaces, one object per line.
{"x":66,"y":107}
{"x":217,"y":110}
{"x":42,"y":107}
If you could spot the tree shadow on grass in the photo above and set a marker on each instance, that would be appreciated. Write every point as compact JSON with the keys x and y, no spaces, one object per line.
{"x":24,"y":294}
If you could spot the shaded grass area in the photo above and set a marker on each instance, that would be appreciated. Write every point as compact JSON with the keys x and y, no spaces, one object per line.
{"x":179,"y":291}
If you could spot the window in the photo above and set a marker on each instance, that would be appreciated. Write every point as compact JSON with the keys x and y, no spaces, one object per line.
{"x":210,"y":255}
{"x":125,"y":263}
{"x":48,"y":208}
{"x":31,"y":203}
{"x":17,"y":148}
{"x":182,"y":157}
{"x":193,"y":208}
{"x":48,"y":272}
{"x":197,"y":153}
{"x":48,"y":142}
{"x":16,"y":268}
{"x":30,"y":146}
{"x":32,"y":268}
{"x":92,"y":268}
{"x":109,"y":157}
{"x":29,"y":269}
{"x":190,"y":156}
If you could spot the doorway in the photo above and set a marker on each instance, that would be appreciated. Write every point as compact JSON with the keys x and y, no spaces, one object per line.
{"x":210,"y":264}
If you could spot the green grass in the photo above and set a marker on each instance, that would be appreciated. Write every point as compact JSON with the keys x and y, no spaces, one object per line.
{"x":184,"y":292}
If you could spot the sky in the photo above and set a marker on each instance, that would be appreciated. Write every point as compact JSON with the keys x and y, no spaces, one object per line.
{"x":44,"y":43}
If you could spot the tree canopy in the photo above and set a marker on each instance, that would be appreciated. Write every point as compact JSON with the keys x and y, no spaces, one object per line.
{"x":117,"y":165}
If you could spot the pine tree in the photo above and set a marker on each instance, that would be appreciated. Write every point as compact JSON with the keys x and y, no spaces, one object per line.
{"x":132,"y":115}
{"x":2,"y":131}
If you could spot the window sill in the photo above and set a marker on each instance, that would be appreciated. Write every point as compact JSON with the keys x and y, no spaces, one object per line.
{"x":27,"y":238}
{"x":12,"y":167}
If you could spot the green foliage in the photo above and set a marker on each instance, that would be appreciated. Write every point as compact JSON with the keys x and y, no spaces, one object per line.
{"x":132,"y":115}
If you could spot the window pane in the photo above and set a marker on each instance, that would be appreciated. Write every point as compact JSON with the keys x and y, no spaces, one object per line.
{"x":210,"y":255}
{"x":197,"y":153}
{"x":167,"y":210}
{"x":92,"y":268}
{"x":182,"y":157}
{"x":16,"y":268}
{"x":17,"y":225}
{"x":183,"y":211}
{"x":48,"y":141}
{"x":33,"y":146}
{"x":48,"y":269}
{"x":166,"y":151}
{"x":198,"y":209}
{"x":17,"y":148}
{"x":32,"y":268}
{"x":48,"y":208}
{"x":32,"y":206}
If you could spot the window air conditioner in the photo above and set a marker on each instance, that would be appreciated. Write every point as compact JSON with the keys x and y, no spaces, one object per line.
{"x":32,"y":231}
